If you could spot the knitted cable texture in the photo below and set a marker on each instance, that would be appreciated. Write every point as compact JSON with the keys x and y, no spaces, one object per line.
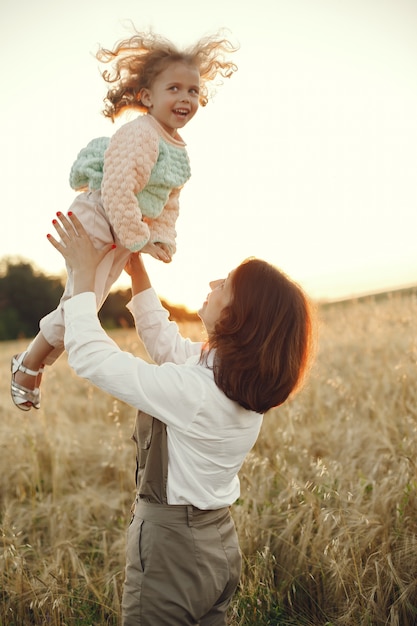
{"x":87,"y":170}
{"x":128,"y":163}
{"x":140,"y":171}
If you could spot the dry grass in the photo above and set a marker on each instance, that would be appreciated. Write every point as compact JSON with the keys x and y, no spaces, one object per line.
{"x":328,"y":513}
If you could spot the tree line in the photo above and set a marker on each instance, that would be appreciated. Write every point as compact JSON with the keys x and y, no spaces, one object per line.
{"x":27,"y":294}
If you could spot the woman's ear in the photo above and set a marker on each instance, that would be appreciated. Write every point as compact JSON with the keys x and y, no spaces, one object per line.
{"x":145,"y":98}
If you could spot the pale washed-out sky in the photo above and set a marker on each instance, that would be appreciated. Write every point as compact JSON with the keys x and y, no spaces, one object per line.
{"x":306,"y":157}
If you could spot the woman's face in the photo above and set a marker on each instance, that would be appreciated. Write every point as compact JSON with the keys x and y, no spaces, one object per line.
{"x":219,"y":297}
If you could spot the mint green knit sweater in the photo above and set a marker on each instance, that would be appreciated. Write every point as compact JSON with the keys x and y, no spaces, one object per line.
{"x":140,"y":172}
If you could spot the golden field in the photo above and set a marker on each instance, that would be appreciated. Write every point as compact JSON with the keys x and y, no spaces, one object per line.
{"x":328,"y":512}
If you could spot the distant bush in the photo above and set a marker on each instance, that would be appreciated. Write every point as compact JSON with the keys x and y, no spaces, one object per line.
{"x":114,"y":314}
{"x":27,"y":294}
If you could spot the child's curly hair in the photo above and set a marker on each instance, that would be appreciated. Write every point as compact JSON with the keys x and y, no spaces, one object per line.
{"x":137,"y":61}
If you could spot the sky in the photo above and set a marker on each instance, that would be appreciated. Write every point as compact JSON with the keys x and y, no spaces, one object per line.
{"x":306,"y":157}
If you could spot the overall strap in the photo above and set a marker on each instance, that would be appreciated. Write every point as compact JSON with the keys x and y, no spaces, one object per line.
{"x":150,"y":437}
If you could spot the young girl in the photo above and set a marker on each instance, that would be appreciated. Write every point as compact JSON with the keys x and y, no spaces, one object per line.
{"x":130,"y":183}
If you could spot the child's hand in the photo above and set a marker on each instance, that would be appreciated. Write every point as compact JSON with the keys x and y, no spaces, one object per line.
{"x":159,"y":251}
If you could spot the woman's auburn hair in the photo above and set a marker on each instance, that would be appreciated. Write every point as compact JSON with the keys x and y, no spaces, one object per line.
{"x":262,"y":343}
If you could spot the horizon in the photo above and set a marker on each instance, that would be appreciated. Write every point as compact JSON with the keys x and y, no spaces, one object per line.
{"x":320,"y":297}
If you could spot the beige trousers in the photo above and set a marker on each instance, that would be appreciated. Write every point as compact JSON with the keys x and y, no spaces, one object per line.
{"x":182,"y":564}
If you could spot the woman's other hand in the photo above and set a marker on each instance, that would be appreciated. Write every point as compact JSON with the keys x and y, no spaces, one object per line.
{"x":137,"y":272}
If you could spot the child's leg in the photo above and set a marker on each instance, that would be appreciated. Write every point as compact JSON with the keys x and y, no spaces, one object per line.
{"x":89,"y":210}
{"x":48,"y":345}
{"x":33,"y":360}
{"x":27,"y":369}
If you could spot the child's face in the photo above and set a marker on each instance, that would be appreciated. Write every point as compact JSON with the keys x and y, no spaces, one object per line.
{"x":173,"y":97}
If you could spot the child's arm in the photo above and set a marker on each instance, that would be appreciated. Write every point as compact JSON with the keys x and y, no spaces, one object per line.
{"x":128,"y":162}
{"x":162,"y":228}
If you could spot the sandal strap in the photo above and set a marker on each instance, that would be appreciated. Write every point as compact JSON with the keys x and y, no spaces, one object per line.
{"x":19,"y":367}
{"x":21,"y":395}
{"x":20,"y":391}
{"x":26,"y":370}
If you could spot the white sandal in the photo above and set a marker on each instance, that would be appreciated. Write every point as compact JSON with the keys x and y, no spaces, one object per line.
{"x":21,"y":396}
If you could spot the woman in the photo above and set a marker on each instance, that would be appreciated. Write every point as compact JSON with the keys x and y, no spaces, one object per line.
{"x":200,"y":409}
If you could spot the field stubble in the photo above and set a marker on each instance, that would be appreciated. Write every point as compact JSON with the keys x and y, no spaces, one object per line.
{"x":327,"y":516}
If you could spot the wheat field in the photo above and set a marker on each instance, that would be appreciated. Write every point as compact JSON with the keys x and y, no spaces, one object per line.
{"x":327,"y":516}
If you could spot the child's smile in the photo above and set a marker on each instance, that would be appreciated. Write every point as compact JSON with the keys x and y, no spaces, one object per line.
{"x":173,"y":98}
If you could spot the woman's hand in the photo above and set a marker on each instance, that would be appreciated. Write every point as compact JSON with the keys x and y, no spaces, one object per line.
{"x":76,"y":247}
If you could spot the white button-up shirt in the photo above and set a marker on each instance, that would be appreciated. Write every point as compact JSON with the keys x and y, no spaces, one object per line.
{"x":208,"y":434}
